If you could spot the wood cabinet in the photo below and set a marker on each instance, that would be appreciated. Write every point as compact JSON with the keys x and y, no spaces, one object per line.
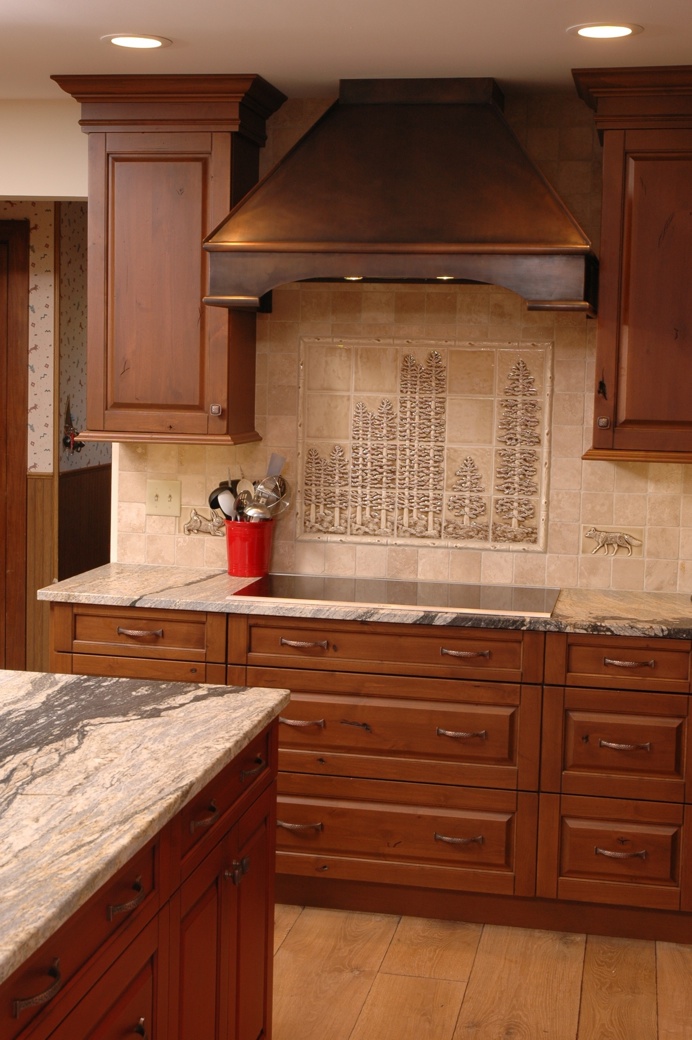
{"x":407,"y":753}
{"x":168,"y":157}
{"x":179,"y":943}
{"x":471,"y":773}
{"x":643,"y":364}
{"x":615,"y":814}
{"x":135,"y":642}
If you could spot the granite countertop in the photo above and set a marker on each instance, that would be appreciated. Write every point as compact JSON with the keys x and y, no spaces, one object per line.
{"x":88,"y":778}
{"x":577,"y":610}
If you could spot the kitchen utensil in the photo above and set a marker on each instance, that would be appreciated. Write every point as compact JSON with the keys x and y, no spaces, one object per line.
{"x":245,"y":485}
{"x":273,"y":492}
{"x":276,"y":464}
{"x":256,"y":512}
{"x":243,"y":499}
{"x":226,"y":500}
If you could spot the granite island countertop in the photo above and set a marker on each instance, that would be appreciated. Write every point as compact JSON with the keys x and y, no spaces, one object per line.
{"x":87,"y":778}
{"x":668,"y":615}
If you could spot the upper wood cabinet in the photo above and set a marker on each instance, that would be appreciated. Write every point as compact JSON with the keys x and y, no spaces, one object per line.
{"x":168,"y":157}
{"x":644,"y":354}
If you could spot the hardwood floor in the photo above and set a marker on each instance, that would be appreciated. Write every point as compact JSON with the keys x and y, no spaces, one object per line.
{"x":357,"y":976}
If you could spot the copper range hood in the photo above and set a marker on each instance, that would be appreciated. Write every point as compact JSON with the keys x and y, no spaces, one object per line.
{"x":405,"y":180}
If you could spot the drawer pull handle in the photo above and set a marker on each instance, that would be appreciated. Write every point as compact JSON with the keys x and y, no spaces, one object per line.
{"x":300,"y":723}
{"x":124,"y":908}
{"x":302,"y":644}
{"x":207,"y":820}
{"x":620,"y":855}
{"x":363,"y":725}
{"x":299,"y":826}
{"x":140,"y":1029}
{"x":41,"y":998}
{"x":481,"y":734}
{"x":465,"y":653}
{"x":239,"y":868}
{"x":625,"y":747}
{"x":255,"y":771}
{"x":629,"y":664}
{"x":140,"y":633}
{"x":478,"y":839}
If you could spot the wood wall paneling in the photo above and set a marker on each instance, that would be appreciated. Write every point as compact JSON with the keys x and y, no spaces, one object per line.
{"x":40,"y":566}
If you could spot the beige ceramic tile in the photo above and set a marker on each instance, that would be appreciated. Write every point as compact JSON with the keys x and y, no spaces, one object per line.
{"x":340,"y":558}
{"x":661,"y":576}
{"x":628,"y":574}
{"x":497,"y":568}
{"x":131,"y":516}
{"x":530,"y":569}
{"x":131,"y":547}
{"x":471,"y":372}
{"x":402,"y":562}
{"x":409,"y":307}
{"x":564,"y":538}
{"x":465,"y":565}
{"x":663,"y":510}
{"x":376,"y":370}
{"x":630,"y":509}
{"x":562,"y":572}
{"x":564,"y":506}
{"x":470,"y":420}
{"x":433,"y":564}
{"x":565,"y":474}
{"x":378,"y":307}
{"x":596,"y":509}
{"x":663,"y":543}
{"x":328,"y":367}
{"x":595,"y":572}
{"x":371,"y":561}
{"x":132,"y":485}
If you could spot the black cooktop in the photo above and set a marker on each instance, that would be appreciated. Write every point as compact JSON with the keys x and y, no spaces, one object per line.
{"x":428,"y":595}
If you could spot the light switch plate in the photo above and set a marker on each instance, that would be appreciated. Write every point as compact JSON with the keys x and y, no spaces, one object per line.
{"x":163,"y":498}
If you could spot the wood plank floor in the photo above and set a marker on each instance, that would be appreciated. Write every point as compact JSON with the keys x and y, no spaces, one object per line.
{"x":357,"y":976}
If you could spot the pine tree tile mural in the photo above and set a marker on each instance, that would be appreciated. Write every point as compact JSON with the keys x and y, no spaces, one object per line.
{"x":459,"y":456}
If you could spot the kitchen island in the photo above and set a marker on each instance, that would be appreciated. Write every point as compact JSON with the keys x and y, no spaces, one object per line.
{"x":106,"y":777}
{"x":526,"y":763}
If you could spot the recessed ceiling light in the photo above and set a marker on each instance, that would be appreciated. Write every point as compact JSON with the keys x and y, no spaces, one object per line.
{"x":604,"y":31}
{"x":136,"y":41}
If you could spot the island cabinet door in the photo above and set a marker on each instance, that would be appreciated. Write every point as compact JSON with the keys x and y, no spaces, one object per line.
{"x":129,"y":1000}
{"x":222,"y":927}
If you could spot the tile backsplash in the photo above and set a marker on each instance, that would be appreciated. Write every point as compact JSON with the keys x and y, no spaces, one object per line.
{"x":650,"y":502}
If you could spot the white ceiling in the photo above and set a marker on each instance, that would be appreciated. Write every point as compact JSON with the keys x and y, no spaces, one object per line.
{"x":305,"y":46}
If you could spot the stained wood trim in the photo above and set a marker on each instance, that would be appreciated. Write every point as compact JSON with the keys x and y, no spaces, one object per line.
{"x":13,"y":441}
{"x":40,"y":567}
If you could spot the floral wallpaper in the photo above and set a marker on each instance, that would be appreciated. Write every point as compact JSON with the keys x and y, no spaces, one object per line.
{"x":73,"y":330}
{"x":40,"y":215}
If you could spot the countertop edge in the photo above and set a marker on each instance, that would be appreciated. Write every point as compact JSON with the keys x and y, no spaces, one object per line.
{"x":32,"y":933}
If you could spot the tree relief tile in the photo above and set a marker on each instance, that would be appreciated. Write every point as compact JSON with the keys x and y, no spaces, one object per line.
{"x":448,"y":462}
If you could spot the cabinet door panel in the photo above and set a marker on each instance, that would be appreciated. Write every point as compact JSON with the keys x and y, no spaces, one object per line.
{"x":607,"y":850}
{"x":129,"y":995}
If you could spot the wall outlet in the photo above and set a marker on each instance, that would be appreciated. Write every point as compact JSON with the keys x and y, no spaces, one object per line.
{"x":163,"y":498}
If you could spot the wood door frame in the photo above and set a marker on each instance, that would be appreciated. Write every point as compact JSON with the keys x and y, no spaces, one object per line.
{"x":14,"y":359}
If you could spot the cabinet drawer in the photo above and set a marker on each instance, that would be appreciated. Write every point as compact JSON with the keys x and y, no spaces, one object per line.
{"x":397,"y":834}
{"x":46,"y":980}
{"x":431,"y":742}
{"x":620,"y":663}
{"x":395,"y":649}
{"x":620,"y":744}
{"x":607,"y":850}
{"x":139,"y":632}
{"x":208,"y":815}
